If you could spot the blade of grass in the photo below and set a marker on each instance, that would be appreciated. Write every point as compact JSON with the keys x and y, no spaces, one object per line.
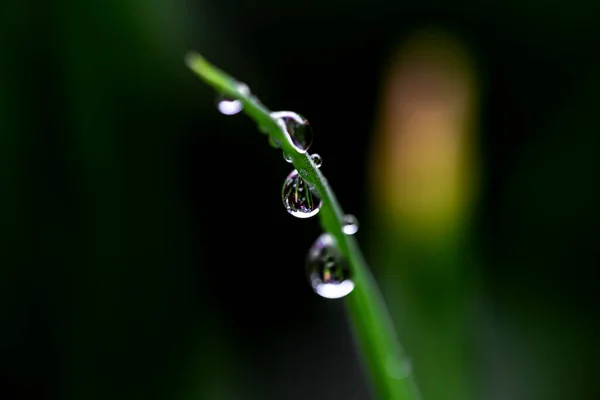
{"x":384,"y":357}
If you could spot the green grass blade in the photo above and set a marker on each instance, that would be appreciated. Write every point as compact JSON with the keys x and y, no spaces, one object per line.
{"x":387,"y":365}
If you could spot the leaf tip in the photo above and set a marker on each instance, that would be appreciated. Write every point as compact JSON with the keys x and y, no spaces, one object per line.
{"x":194,"y":61}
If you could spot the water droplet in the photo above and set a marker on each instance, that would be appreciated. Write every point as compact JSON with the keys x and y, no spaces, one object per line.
{"x":316,"y":159}
{"x":275,"y":143}
{"x":327,"y":269}
{"x":287,"y":157}
{"x":263,"y":129}
{"x":398,"y":368}
{"x":298,"y":129}
{"x":349,"y":224}
{"x":230,"y":105}
{"x":298,"y":198}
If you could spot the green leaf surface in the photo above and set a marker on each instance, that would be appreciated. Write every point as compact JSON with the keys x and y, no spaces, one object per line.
{"x":388,"y":368}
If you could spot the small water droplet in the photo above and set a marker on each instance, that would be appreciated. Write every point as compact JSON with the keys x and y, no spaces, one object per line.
{"x":317,"y":160}
{"x":287,"y":157}
{"x":228,"y":105}
{"x":327,"y":269}
{"x":298,"y":129}
{"x":254,"y":98}
{"x":398,"y":368}
{"x":349,"y":224}
{"x":298,"y":198}
{"x":263,"y":129}
{"x":275,"y":143}
{"x":243,"y":88}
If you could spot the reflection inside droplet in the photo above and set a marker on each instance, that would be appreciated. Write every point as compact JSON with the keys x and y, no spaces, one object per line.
{"x":334,"y":291}
{"x":299,"y":199}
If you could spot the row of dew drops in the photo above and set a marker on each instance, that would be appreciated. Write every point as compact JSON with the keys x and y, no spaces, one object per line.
{"x":326,"y":268}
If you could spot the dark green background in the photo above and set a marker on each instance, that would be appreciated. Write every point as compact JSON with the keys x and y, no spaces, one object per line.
{"x":144,"y":250}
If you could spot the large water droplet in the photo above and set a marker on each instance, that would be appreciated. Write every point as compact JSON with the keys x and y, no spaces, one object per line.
{"x":349,"y":224}
{"x":298,"y":198}
{"x":327,"y":269}
{"x":230,"y":105}
{"x":298,"y":129}
{"x":317,"y":160}
{"x":287,"y":157}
